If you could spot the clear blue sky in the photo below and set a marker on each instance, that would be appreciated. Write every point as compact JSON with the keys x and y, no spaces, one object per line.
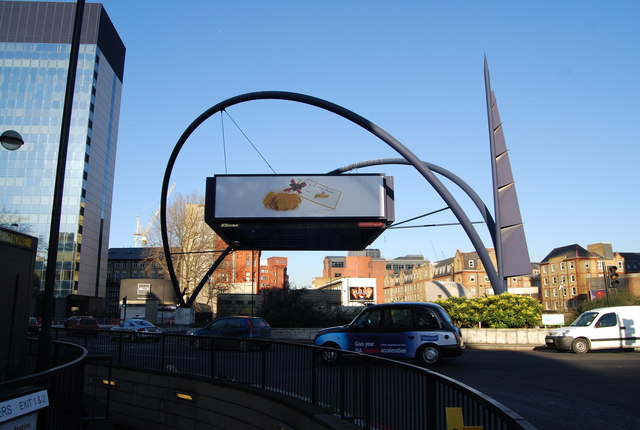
{"x":566,"y":76}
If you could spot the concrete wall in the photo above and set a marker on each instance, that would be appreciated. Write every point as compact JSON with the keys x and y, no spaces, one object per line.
{"x":503,"y":338}
{"x":148,"y":400}
{"x":478,"y":338}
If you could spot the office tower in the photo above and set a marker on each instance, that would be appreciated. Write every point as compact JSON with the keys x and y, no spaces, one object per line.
{"x":35,"y":40}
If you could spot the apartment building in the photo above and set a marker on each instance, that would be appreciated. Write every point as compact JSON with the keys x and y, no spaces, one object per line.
{"x":461,"y":275}
{"x":366,"y":264}
{"x":572,"y":274}
{"x":274,"y":273}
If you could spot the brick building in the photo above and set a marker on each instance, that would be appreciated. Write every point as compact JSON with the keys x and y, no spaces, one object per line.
{"x":572,"y":274}
{"x":274,"y":273}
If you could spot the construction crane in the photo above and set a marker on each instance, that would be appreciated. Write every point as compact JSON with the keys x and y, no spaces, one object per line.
{"x":140,"y":236}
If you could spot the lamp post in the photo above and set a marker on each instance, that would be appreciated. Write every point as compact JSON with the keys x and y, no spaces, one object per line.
{"x":11,"y":140}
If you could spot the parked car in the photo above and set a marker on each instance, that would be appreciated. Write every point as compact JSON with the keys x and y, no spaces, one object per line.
{"x":421,"y":331}
{"x":217,"y":333}
{"x":82,"y":326}
{"x":135,"y":328}
{"x":33,"y":326}
{"x":603,"y":328}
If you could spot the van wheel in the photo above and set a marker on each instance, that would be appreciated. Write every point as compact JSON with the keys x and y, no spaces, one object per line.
{"x":429,"y":354}
{"x":580,"y":346}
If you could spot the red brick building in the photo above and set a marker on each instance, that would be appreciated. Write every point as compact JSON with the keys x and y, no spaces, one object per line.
{"x":274,"y":274}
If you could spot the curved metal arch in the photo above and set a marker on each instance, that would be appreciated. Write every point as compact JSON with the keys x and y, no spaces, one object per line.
{"x":424,"y":170}
{"x":475,"y":198}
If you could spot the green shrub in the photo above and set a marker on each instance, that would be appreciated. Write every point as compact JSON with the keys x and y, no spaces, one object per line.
{"x":502,"y":311}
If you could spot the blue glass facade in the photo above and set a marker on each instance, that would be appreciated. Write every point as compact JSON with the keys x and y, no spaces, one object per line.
{"x":32,"y":89}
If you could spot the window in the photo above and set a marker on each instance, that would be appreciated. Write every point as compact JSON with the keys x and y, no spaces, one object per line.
{"x":545,"y":281}
{"x":587,"y":264}
{"x":607,"y":320}
{"x":472,"y":278}
{"x":144,"y":289}
{"x":554,"y":281}
{"x":562,"y":266}
{"x":600,"y":266}
{"x":571,"y":265}
{"x":572,"y":278}
{"x":368,"y":320}
{"x":574,"y":291}
{"x":553,"y":268}
{"x":472,"y":264}
{"x":398,"y":318}
{"x":337,"y":264}
{"x":426,"y":319}
{"x":544,"y":269}
{"x":620,"y":265}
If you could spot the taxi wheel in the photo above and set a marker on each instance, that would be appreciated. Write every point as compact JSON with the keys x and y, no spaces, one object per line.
{"x":429,"y":354}
{"x":329,"y":357}
{"x":580,"y":346}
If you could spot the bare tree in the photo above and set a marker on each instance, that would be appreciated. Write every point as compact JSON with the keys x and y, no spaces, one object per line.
{"x":194,"y":248}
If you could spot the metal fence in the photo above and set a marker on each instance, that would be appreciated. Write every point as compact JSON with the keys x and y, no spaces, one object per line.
{"x":63,"y":382}
{"x":370,"y":392}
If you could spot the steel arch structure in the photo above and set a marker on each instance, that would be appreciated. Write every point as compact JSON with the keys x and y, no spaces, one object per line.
{"x":423,"y":168}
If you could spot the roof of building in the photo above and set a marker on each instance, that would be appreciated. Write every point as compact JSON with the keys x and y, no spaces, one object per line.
{"x":569,"y":252}
{"x":127,"y":253}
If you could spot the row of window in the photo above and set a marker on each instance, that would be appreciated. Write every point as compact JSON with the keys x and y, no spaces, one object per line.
{"x":571,"y":265}
{"x":563,"y":279}
{"x":559,"y":292}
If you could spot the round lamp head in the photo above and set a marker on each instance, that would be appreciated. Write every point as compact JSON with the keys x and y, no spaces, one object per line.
{"x":11,"y":140}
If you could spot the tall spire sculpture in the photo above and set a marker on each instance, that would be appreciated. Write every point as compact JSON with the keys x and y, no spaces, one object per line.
{"x":512,"y":255}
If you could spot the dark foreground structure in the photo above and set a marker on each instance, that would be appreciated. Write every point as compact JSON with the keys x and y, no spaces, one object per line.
{"x":162,"y":382}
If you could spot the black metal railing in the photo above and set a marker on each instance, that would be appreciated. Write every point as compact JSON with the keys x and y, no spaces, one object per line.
{"x":368,"y":391}
{"x":63,"y":382}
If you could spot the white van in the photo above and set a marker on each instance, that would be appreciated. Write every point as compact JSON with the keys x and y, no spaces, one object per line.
{"x":602,"y":328}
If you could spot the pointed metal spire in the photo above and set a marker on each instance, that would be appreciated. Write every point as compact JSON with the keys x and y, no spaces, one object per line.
{"x":512,"y":254}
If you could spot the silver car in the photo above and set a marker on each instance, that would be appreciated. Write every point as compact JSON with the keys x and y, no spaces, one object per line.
{"x":135,"y":329}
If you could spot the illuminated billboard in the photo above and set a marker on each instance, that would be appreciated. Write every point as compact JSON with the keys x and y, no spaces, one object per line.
{"x":299,"y":211}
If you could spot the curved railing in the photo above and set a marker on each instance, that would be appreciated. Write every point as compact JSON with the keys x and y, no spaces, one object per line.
{"x":368,"y":391}
{"x":63,"y":383}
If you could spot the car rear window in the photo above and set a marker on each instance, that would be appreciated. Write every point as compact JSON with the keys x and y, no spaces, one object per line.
{"x":258,"y":323}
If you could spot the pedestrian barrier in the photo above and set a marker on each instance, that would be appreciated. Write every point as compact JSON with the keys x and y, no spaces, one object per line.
{"x":369,"y":392}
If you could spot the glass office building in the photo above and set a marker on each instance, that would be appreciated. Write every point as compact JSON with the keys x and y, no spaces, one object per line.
{"x":35,"y":46}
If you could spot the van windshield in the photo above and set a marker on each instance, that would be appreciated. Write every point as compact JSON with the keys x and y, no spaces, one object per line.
{"x":585,"y":319}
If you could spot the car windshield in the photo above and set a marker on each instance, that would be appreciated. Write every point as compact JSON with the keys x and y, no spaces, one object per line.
{"x":144,"y":323}
{"x":585,"y":319}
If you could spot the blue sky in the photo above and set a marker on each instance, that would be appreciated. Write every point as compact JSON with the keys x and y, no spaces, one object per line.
{"x":566,"y":75}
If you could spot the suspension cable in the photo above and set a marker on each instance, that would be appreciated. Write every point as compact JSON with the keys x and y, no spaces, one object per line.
{"x":249,"y":140}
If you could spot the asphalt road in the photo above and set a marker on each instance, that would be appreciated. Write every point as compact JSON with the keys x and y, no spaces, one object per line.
{"x":552,"y":390}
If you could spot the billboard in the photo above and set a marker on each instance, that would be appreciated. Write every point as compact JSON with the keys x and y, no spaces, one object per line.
{"x":299,"y":211}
